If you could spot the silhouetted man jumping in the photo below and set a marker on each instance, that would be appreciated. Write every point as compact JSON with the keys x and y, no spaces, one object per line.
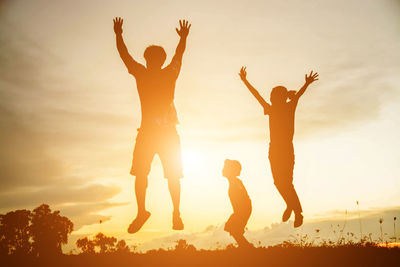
{"x":157,"y":133}
{"x":281,"y":153}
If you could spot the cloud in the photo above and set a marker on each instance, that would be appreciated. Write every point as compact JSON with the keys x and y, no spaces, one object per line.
{"x":30,"y":176}
{"x":23,"y":158}
{"x":56,"y":194}
{"x":345,"y":98}
{"x":31,"y":170}
{"x":87,"y":213}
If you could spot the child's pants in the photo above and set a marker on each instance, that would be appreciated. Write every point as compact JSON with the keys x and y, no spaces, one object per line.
{"x":281,"y":159}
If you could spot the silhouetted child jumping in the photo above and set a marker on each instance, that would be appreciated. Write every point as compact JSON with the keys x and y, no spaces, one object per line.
{"x":281,"y":152}
{"x":241,"y":203}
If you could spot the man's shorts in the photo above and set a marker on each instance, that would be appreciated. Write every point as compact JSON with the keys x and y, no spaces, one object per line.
{"x":166,"y":143}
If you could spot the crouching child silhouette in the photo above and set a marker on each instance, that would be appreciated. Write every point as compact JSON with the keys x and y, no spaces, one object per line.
{"x":281,"y":153}
{"x":241,"y":203}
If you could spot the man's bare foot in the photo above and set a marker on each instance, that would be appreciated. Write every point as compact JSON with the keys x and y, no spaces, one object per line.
{"x":138,"y":222}
{"x":298,"y":220}
{"x":286,"y":214}
{"x":177,"y":223}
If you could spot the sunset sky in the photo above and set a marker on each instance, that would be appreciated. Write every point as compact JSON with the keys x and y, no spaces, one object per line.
{"x":69,"y":110}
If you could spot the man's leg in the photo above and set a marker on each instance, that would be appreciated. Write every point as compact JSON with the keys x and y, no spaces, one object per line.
{"x":174,"y":187}
{"x":142,"y":214}
{"x":171,"y":159}
{"x":143,"y":154}
{"x":140,"y":192}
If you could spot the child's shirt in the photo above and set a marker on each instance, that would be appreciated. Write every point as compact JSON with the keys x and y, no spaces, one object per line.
{"x":238,"y":195}
{"x":281,"y":122}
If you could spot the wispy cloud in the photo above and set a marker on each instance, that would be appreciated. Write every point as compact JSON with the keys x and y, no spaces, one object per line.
{"x":29,"y":173}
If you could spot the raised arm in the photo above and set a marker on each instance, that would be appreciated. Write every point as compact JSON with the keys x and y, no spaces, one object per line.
{"x":132,"y":66}
{"x":256,"y":94}
{"x":176,"y":62}
{"x":183,"y":33}
{"x":312,"y":77}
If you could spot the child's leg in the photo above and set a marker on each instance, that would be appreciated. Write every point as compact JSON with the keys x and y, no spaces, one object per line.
{"x":236,"y":225}
{"x":295,"y":201}
{"x":290,"y":196}
{"x":285,"y":195}
{"x":282,"y":165}
{"x":241,"y":240}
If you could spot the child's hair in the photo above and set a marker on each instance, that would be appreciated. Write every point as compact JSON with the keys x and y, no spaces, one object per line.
{"x":279,"y":94}
{"x":155,"y":54}
{"x":232,"y":167}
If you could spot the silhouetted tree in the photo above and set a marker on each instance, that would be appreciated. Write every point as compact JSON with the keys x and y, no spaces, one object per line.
{"x":14,"y":232}
{"x":122,"y":247}
{"x":49,"y":230}
{"x":105,"y":243}
{"x":86,"y":245}
{"x":101,"y":243}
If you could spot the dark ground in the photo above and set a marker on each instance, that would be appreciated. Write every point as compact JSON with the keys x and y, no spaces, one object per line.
{"x":273,"y":256}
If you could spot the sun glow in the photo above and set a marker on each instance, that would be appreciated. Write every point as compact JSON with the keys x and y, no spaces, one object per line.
{"x":192,"y":160}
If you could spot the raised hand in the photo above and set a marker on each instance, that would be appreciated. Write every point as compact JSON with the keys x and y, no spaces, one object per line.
{"x":311,"y":77}
{"x":243,"y":73}
{"x":184,"y":28}
{"x":118,"y":25}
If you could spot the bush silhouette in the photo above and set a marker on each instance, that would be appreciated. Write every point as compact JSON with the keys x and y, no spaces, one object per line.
{"x":86,"y":245}
{"x":101,"y":243}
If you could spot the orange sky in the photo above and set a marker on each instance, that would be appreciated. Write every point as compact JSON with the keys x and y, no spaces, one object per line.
{"x":69,"y":110}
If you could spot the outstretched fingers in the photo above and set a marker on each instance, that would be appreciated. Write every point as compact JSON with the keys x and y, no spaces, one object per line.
{"x":118,"y":25}
{"x":184,"y":28}
{"x":242,"y":72}
{"x":184,"y":24}
{"x":313,"y":76}
{"x":118,"y":20}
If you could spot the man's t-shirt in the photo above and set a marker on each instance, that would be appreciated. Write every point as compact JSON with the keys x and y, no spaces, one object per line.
{"x":238,"y":195}
{"x":156,"y":90}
